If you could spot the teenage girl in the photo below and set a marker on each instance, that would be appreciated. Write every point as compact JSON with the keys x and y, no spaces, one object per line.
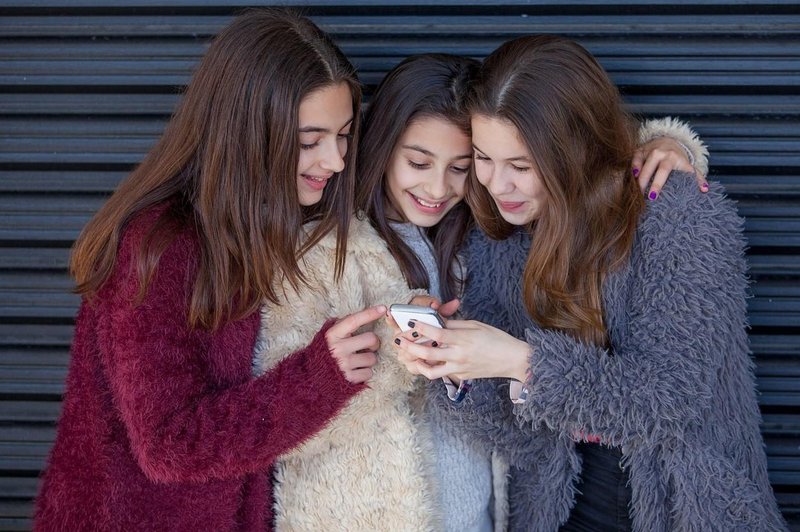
{"x":163,"y":425}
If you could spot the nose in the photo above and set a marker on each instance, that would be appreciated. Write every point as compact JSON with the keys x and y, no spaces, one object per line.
{"x":499,"y":182}
{"x":437,"y":187}
{"x":332,"y":156}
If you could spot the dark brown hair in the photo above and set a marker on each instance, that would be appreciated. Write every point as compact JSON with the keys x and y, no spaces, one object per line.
{"x":227,"y":164}
{"x":570,"y":117}
{"x":422,"y":86}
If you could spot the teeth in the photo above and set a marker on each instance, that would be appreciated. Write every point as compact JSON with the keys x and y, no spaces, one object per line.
{"x":426,"y":204}
{"x":317,"y":179}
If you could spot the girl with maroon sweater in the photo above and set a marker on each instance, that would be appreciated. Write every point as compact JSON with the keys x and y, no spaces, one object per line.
{"x":164,"y":427}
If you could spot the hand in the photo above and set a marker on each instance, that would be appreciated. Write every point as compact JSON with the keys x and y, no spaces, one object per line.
{"x":445,"y":310}
{"x":465,"y":350}
{"x":656,"y":159}
{"x":355,"y":354}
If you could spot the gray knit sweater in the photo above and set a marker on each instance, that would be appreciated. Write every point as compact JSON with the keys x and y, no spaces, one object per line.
{"x":677,"y":395}
{"x":463,"y":469}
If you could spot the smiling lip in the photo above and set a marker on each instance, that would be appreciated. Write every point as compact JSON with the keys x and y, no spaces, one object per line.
{"x":510,"y":206}
{"x":316,"y":182}
{"x":428,"y":207}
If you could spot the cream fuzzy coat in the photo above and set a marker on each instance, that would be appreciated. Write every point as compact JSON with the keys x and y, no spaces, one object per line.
{"x":370,"y":467}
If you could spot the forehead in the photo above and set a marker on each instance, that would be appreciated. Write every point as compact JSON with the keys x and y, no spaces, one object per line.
{"x":329,"y":106}
{"x":498,"y":136}
{"x":436,"y":135}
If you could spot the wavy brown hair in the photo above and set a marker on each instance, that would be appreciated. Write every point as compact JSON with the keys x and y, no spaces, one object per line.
{"x":421,"y":86}
{"x":226,"y":166}
{"x":571,"y":119}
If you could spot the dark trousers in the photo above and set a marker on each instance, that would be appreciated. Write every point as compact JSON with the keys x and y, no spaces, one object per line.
{"x":605,"y":495}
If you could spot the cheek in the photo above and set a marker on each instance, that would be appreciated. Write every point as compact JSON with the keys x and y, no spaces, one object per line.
{"x":458,"y":183}
{"x":304,"y":160}
{"x":482,"y":172}
{"x":394,"y":184}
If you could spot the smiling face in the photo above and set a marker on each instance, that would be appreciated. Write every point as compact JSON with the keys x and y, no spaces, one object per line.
{"x":325,"y":117}
{"x":427,"y":171}
{"x":506,"y":169}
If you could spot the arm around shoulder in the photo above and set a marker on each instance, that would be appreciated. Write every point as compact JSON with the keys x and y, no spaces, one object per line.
{"x":674,"y":317}
{"x":680,"y":131}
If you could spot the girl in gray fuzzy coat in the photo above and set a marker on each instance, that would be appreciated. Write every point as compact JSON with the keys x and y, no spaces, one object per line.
{"x":613,"y":361}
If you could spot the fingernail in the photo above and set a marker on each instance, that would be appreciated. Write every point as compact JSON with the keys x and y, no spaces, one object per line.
{"x":653,"y":195}
{"x":411,"y":324}
{"x":704,"y":186}
{"x":434,"y":344}
{"x":397,"y":341}
{"x":635,"y":172}
{"x":415,"y":334}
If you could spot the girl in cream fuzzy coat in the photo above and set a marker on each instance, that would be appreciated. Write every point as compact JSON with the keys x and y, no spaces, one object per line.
{"x":370,"y":466}
{"x":376,"y":465}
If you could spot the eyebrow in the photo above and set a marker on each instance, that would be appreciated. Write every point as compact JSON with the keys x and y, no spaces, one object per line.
{"x":517,"y":158}
{"x":317,"y":129}
{"x":430,"y":153}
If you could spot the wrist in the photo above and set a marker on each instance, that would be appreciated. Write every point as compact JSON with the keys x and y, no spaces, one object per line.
{"x":522,"y":362}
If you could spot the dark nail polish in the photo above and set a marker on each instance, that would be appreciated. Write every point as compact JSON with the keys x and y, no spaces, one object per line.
{"x":653,"y":195}
{"x":434,"y":344}
{"x":411,"y":324}
{"x":415,"y":334}
{"x":397,"y":341}
{"x":635,"y":172}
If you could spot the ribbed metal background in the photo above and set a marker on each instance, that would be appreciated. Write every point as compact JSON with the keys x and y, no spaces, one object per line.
{"x":87,"y":86}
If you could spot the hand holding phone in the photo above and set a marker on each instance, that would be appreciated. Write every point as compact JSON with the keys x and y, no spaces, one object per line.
{"x":402,"y":314}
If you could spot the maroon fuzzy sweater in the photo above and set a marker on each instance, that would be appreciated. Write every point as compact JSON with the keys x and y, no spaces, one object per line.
{"x":163,"y":426}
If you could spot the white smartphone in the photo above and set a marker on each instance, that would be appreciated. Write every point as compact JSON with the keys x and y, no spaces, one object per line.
{"x":403,"y":313}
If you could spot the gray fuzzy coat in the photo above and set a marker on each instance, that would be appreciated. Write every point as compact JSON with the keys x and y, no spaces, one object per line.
{"x":677,"y":395}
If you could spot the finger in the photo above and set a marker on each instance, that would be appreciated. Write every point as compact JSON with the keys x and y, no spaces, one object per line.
{"x":670,"y":163}
{"x":368,"y":341}
{"x":449,"y":308}
{"x":358,"y":376}
{"x":649,"y":166}
{"x":424,"y":301}
{"x":658,"y":181}
{"x":636,"y":168}
{"x":360,"y":360}
{"x":701,"y":181}
{"x":427,"y":352}
{"x":350,"y":323}
{"x":432,"y":372}
{"x":413,"y":336}
{"x":428,"y":331}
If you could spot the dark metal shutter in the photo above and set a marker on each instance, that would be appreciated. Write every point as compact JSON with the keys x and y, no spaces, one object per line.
{"x":86,"y":86}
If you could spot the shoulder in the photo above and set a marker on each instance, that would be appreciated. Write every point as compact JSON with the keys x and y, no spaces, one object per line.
{"x":693,"y":239}
{"x":682,"y":210}
{"x":180,"y":246}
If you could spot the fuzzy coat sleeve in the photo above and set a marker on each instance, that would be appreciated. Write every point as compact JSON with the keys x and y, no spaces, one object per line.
{"x":186,"y":399}
{"x":673,"y":316}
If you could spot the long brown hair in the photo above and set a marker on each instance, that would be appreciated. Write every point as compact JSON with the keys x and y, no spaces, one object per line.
{"x":422,"y":86}
{"x":571,"y":119}
{"x":227,"y":164}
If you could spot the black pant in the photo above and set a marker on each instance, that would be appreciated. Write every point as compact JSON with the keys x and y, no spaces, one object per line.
{"x":605,"y":495}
